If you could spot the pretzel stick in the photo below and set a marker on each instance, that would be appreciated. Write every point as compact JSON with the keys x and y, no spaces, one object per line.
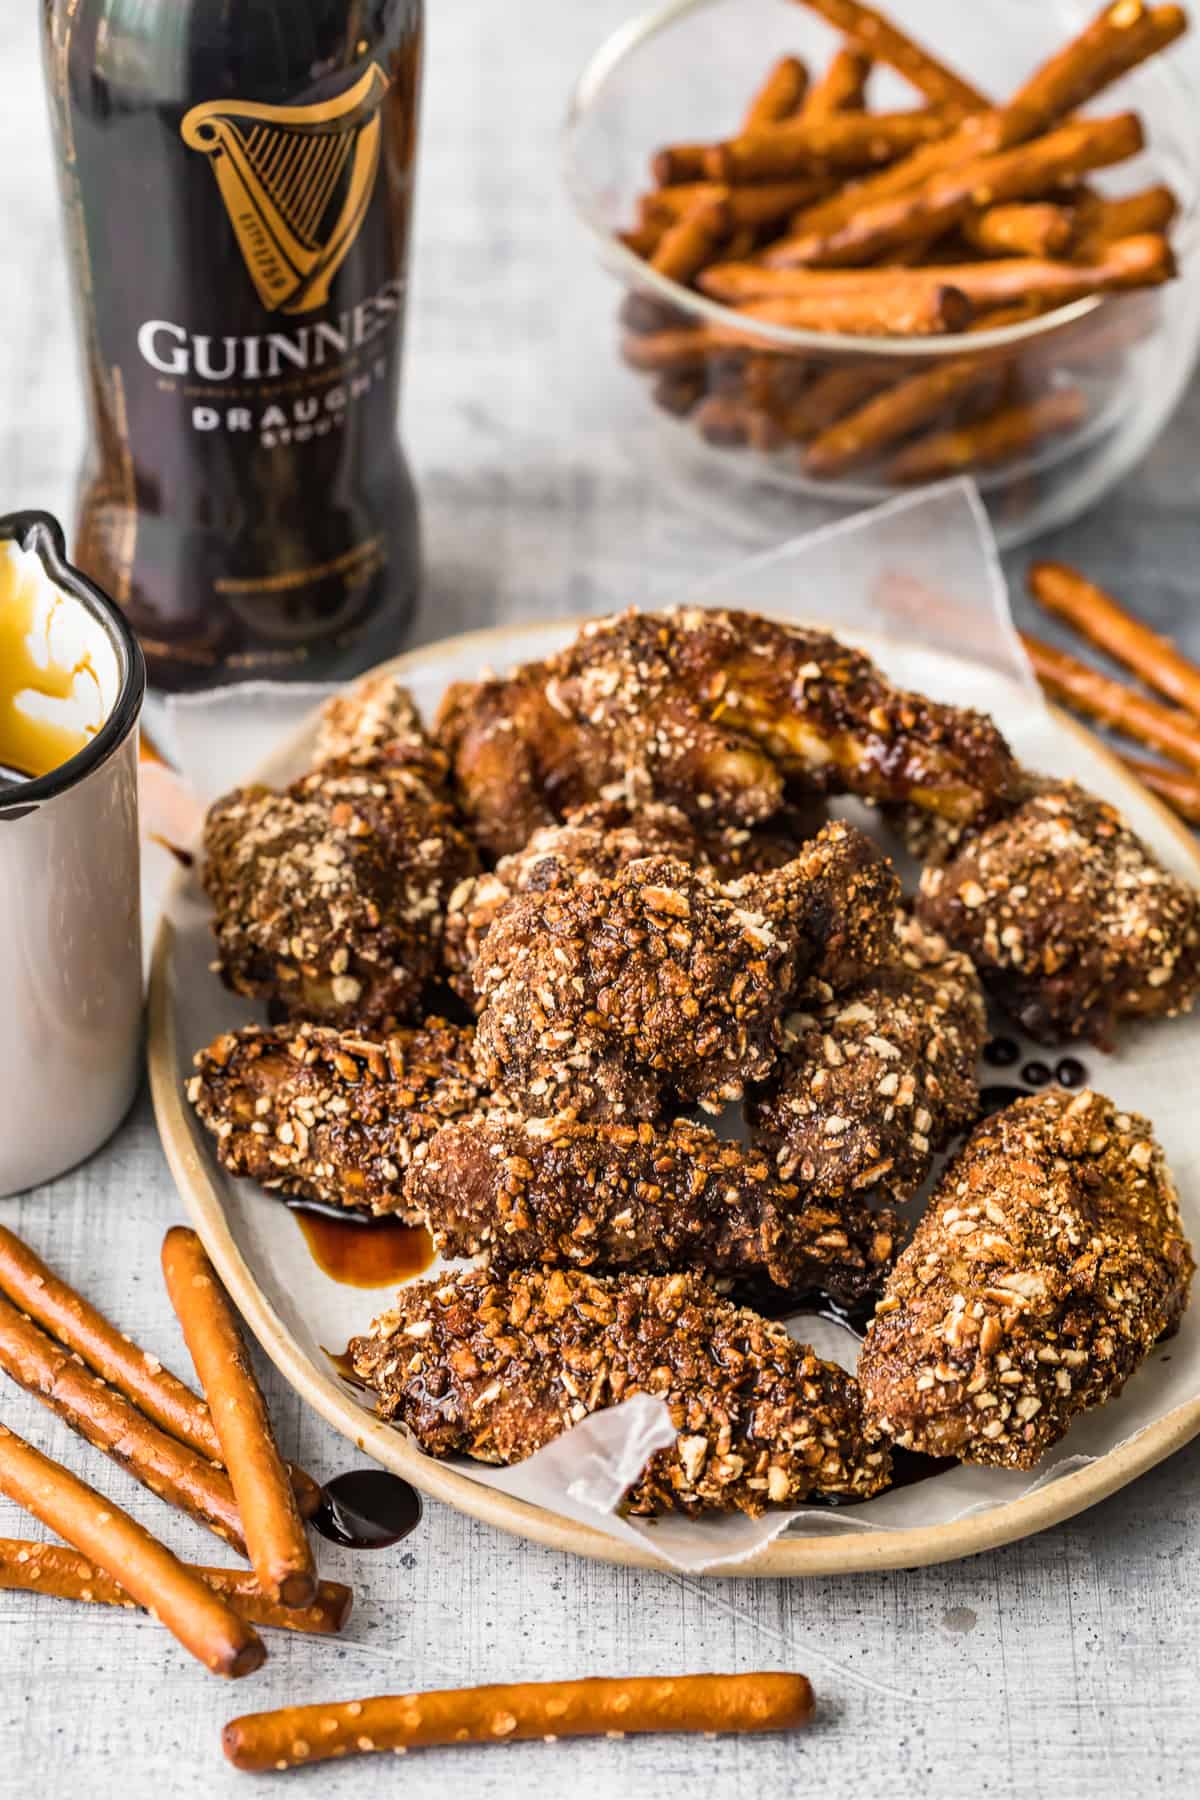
{"x":843,"y":141}
{"x":843,"y":86}
{"x":1166,"y":729}
{"x":1099,"y":618}
{"x":660,"y":352}
{"x":762,"y":204}
{"x":887,"y":417}
{"x":830,"y":395}
{"x":891,"y":307}
{"x":274,"y":1532}
{"x":678,"y":162}
{"x":947,"y":198}
{"x":1101,"y":219}
{"x":677,"y":391}
{"x":1071,"y":77}
{"x":105,"y":1419}
{"x":886,"y":42}
{"x":296,"y":1735}
{"x":780,"y":95}
{"x":686,"y":247}
{"x":1021,"y":229}
{"x":36,"y":1568}
{"x":34,"y":1287}
{"x":201,"y":1620}
{"x":992,"y":439}
{"x":1181,"y":792}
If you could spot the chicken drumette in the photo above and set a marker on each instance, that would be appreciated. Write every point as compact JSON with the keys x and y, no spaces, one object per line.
{"x":617,"y":998}
{"x":557,"y":1193}
{"x":495,"y":1366}
{"x":713,"y":712}
{"x":330,"y":1115}
{"x":1069,"y":917}
{"x":1050,"y":1261}
{"x":329,"y":898}
{"x":875,"y":1080}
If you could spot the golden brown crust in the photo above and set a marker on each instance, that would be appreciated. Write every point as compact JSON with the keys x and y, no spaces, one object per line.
{"x":1050,"y":1261}
{"x":874,"y":1081}
{"x":331,"y":1115}
{"x":1071,"y":920}
{"x":709,"y":711}
{"x":560,"y":1194}
{"x":497,"y":1366}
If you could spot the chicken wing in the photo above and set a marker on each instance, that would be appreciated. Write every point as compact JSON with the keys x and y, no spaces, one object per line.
{"x":875,"y":1080}
{"x":712,"y":712}
{"x":1069,"y":917}
{"x":555,"y":1192}
{"x":330,"y":1115}
{"x":1050,"y":1261}
{"x":496,"y":1366}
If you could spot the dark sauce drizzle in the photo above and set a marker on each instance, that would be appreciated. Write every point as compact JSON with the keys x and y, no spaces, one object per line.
{"x":359,"y":1249}
{"x":367,"y":1509}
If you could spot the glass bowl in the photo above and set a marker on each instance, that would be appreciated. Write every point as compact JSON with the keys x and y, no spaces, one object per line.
{"x":1107,"y":371}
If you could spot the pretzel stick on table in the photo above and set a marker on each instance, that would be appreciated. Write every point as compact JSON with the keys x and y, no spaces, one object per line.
{"x":1022,"y":228}
{"x":948,"y":197}
{"x":996,"y":437}
{"x":781,"y":94}
{"x":294,"y":1736}
{"x":842,"y":141}
{"x":53,"y":1569}
{"x":1099,"y":618}
{"x":164,"y":1399}
{"x":888,"y":44}
{"x":200,"y":1619}
{"x":843,"y":86}
{"x":1167,"y":729}
{"x":104,"y":1418}
{"x":275,"y":1541}
{"x":1181,"y":792}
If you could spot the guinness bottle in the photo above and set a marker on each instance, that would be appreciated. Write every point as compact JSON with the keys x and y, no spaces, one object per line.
{"x":237,"y":177}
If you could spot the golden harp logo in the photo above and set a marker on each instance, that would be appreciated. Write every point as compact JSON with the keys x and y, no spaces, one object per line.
{"x":296,"y":182}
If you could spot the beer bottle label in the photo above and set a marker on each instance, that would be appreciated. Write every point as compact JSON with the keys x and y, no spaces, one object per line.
{"x":241,"y":258}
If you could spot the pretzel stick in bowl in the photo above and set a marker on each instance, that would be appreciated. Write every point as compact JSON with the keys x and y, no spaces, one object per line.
{"x":105,"y":1419}
{"x":843,"y":86}
{"x":882,"y":303}
{"x":689,"y":245}
{"x":1167,"y":729}
{"x":200,"y":1619}
{"x":995,"y":438}
{"x":1102,"y":218}
{"x":295,"y":1736}
{"x":781,"y":94}
{"x":164,"y":1399}
{"x":274,"y":1532}
{"x":888,"y":44}
{"x":842,"y":141}
{"x":53,"y":1569}
{"x":1023,"y":228}
{"x":1096,"y":616}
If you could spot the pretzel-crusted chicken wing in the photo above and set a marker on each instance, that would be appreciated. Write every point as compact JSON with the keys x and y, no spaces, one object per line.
{"x":331,"y":1115}
{"x":712,"y":712}
{"x":555,"y":1192}
{"x":874,"y":1081}
{"x":495,"y":1366}
{"x":1050,"y":1261}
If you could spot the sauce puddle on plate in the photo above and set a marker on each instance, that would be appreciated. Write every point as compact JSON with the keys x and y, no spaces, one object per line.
{"x":360,"y":1251}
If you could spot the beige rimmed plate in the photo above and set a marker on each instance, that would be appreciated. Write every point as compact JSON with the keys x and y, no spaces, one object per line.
{"x":298,"y":1314}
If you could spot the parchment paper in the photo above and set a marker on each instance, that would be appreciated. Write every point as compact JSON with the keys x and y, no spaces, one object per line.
{"x":922,"y":579}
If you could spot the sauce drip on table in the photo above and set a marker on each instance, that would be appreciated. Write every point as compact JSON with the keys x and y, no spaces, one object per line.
{"x":367,"y":1509}
{"x":360,"y":1251}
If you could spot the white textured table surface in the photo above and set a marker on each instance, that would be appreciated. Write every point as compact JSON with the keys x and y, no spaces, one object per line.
{"x":1065,"y":1665}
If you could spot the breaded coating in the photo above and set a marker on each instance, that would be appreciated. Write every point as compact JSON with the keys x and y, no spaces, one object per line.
{"x":874,"y":1081}
{"x":597,"y":840}
{"x":496,"y":1366}
{"x":1069,"y":917}
{"x":612,"y":997}
{"x":616,"y":998}
{"x":1049,"y":1263}
{"x":712,"y":712}
{"x":555,"y":1192}
{"x":329,"y":1115}
{"x":329,"y":898}
{"x":376,"y":723}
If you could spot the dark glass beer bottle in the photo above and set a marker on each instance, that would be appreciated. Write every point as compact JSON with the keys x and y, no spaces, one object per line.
{"x":237,"y":177}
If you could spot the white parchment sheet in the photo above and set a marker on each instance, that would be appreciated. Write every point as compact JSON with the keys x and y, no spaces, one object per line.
{"x":920,"y":578}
